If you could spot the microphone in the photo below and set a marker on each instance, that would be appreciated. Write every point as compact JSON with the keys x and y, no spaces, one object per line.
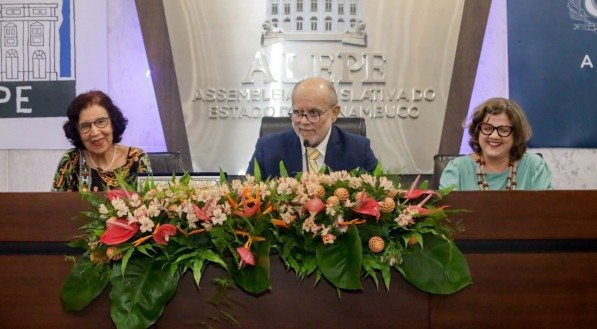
{"x":306,"y":145}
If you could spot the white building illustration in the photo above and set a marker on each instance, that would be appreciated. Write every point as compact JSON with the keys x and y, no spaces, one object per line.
{"x":314,"y":20}
{"x":29,"y":41}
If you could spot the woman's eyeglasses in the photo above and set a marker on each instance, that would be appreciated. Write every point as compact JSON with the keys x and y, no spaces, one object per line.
{"x":487,"y":129}
{"x":102,"y":122}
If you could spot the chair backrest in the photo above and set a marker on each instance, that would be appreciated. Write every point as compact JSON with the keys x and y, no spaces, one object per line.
{"x":166,"y":162}
{"x":271,"y":125}
{"x":440,"y":161}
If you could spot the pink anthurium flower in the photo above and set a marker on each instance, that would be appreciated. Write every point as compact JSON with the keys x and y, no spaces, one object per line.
{"x":246,"y":257}
{"x":162,"y":233}
{"x":314,"y":206}
{"x":201,"y":213}
{"x":420,"y":210}
{"x":366,"y":205}
{"x":414,"y":193}
{"x":118,"y":231}
{"x":115,"y":194}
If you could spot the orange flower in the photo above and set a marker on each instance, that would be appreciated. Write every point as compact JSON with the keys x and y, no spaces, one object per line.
{"x":250,"y":205}
{"x":279,"y":223}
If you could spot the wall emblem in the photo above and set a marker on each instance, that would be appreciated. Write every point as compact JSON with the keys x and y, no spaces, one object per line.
{"x":37,"y":57}
{"x":585,"y":12}
{"x":314,"y":20}
{"x":31,"y":42}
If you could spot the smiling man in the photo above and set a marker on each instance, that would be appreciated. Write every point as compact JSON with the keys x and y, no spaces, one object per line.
{"x":314,"y":140}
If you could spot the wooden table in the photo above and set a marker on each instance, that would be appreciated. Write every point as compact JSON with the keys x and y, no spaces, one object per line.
{"x":532,"y":256}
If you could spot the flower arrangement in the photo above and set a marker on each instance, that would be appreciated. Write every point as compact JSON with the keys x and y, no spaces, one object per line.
{"x":340,"y":226}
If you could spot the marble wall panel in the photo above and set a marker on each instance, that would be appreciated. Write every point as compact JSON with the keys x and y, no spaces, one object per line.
{"x":3,"y":170}
{"x":31,"y":170}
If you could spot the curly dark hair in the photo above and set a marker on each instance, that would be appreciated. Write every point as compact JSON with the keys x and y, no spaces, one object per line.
{"x":85,"y":100}
{"x":522,"y":129}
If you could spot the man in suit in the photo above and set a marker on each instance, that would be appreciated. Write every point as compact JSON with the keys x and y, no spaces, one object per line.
{"x":313,"y":141}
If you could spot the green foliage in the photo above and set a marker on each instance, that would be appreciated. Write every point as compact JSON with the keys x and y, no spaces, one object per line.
{"x":283,"y":171}
{"x":255,"y":279}
{"x":256,"y":171}
{"x":139,"y":296}
{"x":438,"y":268}
{"x":341,"y":261}
{"x":85,"y":281}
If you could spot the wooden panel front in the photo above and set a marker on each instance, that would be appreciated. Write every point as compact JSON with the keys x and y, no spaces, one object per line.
{"x":30,"y":299}
{"x":294,"y":304}
{"x":550,"y":290}
{"x":43,"y":216}
{"x":525,"y":214}
{"x":30,"y":296}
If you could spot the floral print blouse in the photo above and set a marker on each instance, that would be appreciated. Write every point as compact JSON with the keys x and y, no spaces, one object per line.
{"x":74,"y":174}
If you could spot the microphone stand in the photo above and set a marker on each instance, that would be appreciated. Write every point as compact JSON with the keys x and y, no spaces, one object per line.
{"x":306,"y":145}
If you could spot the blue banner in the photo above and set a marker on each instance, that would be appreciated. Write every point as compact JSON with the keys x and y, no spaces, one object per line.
{"x":552,"y":50}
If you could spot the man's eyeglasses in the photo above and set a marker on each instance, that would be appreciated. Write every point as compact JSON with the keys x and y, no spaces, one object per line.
{"x":487,"y":129}
{"x":312,"y":116}
{"x":102,"y":122}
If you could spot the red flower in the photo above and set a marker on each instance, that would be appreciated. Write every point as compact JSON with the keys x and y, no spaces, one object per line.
{"x":366,"y":205}
{"x":314,"y":206}
{"x":118,"y":231}
{"x":414,"y":193}
{"x":246,"y":257}
{"x":162,"y":233}
{"x":115,"y":194}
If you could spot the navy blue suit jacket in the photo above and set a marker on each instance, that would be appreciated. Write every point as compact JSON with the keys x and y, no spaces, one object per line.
{"x":345,"y":151}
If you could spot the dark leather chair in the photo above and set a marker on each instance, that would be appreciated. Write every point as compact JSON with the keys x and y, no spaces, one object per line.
{"x":166,"y":162}
{"x":271,"y":125}
{"x":440,"y":161}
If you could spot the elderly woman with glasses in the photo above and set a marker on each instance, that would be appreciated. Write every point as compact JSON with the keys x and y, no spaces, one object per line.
{"x":499,"y":132}
{"x":94,"y":127}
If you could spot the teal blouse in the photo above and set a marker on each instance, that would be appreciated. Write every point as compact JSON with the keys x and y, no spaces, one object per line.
{"x":532,"y":173}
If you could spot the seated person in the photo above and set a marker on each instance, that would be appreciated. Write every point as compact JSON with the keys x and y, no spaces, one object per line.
{"x":499,"y":131}
{"x":314,"y":109}
{"x":94,"y":127}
